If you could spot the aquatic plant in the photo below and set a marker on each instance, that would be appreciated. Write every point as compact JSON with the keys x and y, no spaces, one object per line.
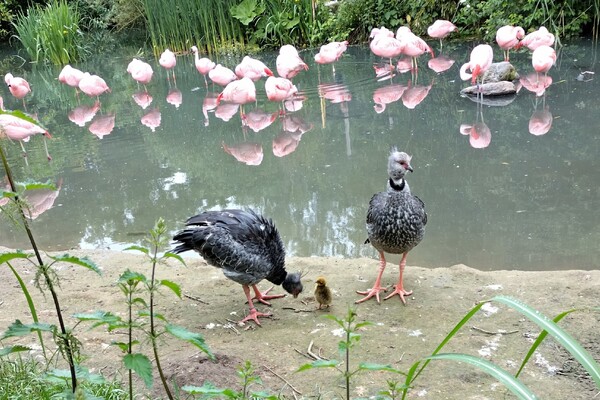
{"x":50,"y":33}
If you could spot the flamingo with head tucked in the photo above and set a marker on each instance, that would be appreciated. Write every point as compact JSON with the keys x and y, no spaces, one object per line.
{"x":289,"y":63}
{"x":168,"y":61}
{"x":93,"y":85}
{"x":440,"y":29}
{"x":140,"y":71}
{"x":17,"y":86}
{"x":412,"y":45}
{"x":221,"y":75}
{"x":543,"y":58}
{"x":70,"y":76}
{"x":253,"y":69}
{"x":541,"y":37}
{"x":508,"y":37}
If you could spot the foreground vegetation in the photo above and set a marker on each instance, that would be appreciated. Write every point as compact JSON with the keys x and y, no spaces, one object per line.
{"x":63,"y":31}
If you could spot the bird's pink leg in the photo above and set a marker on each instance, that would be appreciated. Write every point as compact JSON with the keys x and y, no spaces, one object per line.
{"x":399,"y":287}
{"x":262,"y":297}
{"x":253,"y":313}
{"x":374,"y":291}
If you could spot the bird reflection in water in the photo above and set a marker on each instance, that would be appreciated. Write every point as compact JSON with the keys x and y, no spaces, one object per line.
{"x":479,"y":133}
{"x":175,"y":97}
{"x":541,"y":120}
{"x":102,"y":125}
{"x":83,"y":114}
{"x":415,"y":94}
{"x":440,"y":63}
{"x":386,"y":95}
{"x":336,"y":94}
{"x":293,"y":127}
{"x":209,"y":104}
{"x":39,"y":201}
{"x":152,"y":119}
{"x":536,"y":83}
{"x":142,"y":98}
{"x":249,"y":153}
{"x":257,"y":119}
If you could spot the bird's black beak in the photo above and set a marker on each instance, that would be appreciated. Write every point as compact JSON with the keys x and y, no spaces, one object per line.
{"x":409,"y":168}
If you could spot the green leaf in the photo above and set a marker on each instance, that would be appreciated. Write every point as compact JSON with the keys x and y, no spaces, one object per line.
{"x":245,"y":12}
{"x":19,"y":329}
{"x":21,"y":115}
{"x":319,"y":364}
{"x":32,"y":185}
{"x":13,"y":349}
{"x":81,"y":261}
{"x":511,"y":383}
{"x":6,"y":257}
{"x":194,"y":338}
{"x":379,"y":367}
{"x":173,"y":286}
{"x":561,"y":336}
{"x":138,"y":248}
{"x":168,"y":254}
{"x":131,"y":276}
{"x":363,"y":324}
{"x":102,"y":317}
{"x":209,"y":390}
{"x":141,"y":365}
{"x":7,"y":194}
{"x":146,"y":313}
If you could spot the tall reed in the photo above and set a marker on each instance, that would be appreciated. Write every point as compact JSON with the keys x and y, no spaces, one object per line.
{"x":205,"y":23}
{"x":50,"y":33}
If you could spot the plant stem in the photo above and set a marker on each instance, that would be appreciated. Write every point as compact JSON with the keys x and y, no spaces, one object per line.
{"x":347,"y":374}
{"x":152,"y":330}
{"x":44,"y":271}
{"x":130,"y":341}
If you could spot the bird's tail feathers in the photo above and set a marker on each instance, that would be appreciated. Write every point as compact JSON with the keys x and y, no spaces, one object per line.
{"x":185,"y":238}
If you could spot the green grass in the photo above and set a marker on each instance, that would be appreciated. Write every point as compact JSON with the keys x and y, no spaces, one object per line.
{"x":50,"y":33}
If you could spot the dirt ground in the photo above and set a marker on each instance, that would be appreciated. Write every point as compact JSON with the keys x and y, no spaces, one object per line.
{"x":399,"y":336}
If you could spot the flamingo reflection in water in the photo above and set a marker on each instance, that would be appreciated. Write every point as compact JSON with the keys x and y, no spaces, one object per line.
{"x":257,"y":119}
{"x":415,"y":94}
{"x":293,"y":127}
{"x":102,"y":125}
{"x":152,"y":119}
{"x":142,"y":99}
{"x":175,"y":97}
{"x":440,"y":64}
{"x":209,"y":104}
{"x":83,"y":114}
{"x":541,"y":120}
{"x":39,"y":201}
{"x":480,"y":135}
{"x":386,"y":95}
{"x":249,"y":153}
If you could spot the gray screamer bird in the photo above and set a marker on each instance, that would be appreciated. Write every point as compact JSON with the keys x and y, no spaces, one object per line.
{"x":246,"y":246}
{"x":395,"y":223}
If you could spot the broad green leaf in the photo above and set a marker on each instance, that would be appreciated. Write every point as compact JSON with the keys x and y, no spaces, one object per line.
{"x":141,"y":365}
{"x":194,"y":338}
{"x":263,"y":395}
{"x":138,"y":248}
{"x":17,"y":328}
{"x":168,"y":254}
{"x":245,"y":12}
{"x":363,"y":324}
{"x":7,"y":194}
{"x":139,"y":300}
{"x":319,"y":364}
{"x":131,"y":276}
{"x":511,"y":383}
{"x":209,"y":390}
{"x":31,"y":185}
{"x":102,"y":317}
{"x":21,"y":115}
{"x":568,"y":342}
{"x":173,"y":286}
{"x":81,"y":261}
{"x":13,"y":349}
{"x":379,"y":367}
{"x":5,"y":257}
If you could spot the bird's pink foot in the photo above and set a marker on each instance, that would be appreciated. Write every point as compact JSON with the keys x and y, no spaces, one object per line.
{"x":262,"y":297}
{"x":399,"y":290}
{"x":254,"y":316}
{"x":374,"y":291}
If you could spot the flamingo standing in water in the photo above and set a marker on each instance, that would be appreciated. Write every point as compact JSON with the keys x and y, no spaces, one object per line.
{"x":203,"y":65}
{"x":508,"y":37}
{"x":279,"y":89}
{"x":221,"y":75}
{"x":70,"y":76}
{"x":17,"y":86}
{"x":412,"y":45}
{"x":440,"y":29}
{"x":140,"y":71}
{"x":543,"y":58}
{"x":289,"y":63}
{"x":15,"y":128}
{"x":93,"y":85}
{"x":253,"y":69}
{"x":240,"y":92}
{"x":481,"y":59}
{"x":385,"y":46}
{"x":541,"y":37}
{"x":331,"y":52}
{"x":168,"y":61}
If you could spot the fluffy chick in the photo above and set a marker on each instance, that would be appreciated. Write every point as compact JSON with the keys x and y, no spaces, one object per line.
{"x":322,"y":293}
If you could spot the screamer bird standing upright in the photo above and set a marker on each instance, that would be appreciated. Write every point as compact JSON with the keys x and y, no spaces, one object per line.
{"x":246,"y":246}
{"x":395,"y":223}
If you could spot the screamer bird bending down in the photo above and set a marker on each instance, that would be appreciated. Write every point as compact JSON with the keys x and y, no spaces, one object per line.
{"x":246,"y":246}
{"x":395,"y":223}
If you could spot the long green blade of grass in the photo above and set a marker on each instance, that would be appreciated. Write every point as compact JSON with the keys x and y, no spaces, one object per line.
{"x":511,"y":383}
{"x":561,"y":336}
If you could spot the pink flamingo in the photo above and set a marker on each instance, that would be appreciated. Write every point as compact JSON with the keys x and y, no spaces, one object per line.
{"x":70,"y":76}
{"x":481,"y":59}
{"x":203,"y":65}
{"x":440,"y":29}
{"x":103,"y":125}
{"x":221,"y":75}
{"x":81,"y":115}
{"x":140,"y":71}
{"x":541,"y":37}
{"x":289,"y":63}
{"x":412,"y":45}
{"x":508,"y":37}
{"x":241,"y":92}
{"x":17,"y":86}
{"x":279,"y":89}
{"x":168,"y":61}
{"x":385,"y":46}
{"x":381,"y":31}
{"x":93,"y":85}
{"x":15,"y":128}
{"x":253,"y":69}
{"x":543,"y":58}
{"x":331,"y":52}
